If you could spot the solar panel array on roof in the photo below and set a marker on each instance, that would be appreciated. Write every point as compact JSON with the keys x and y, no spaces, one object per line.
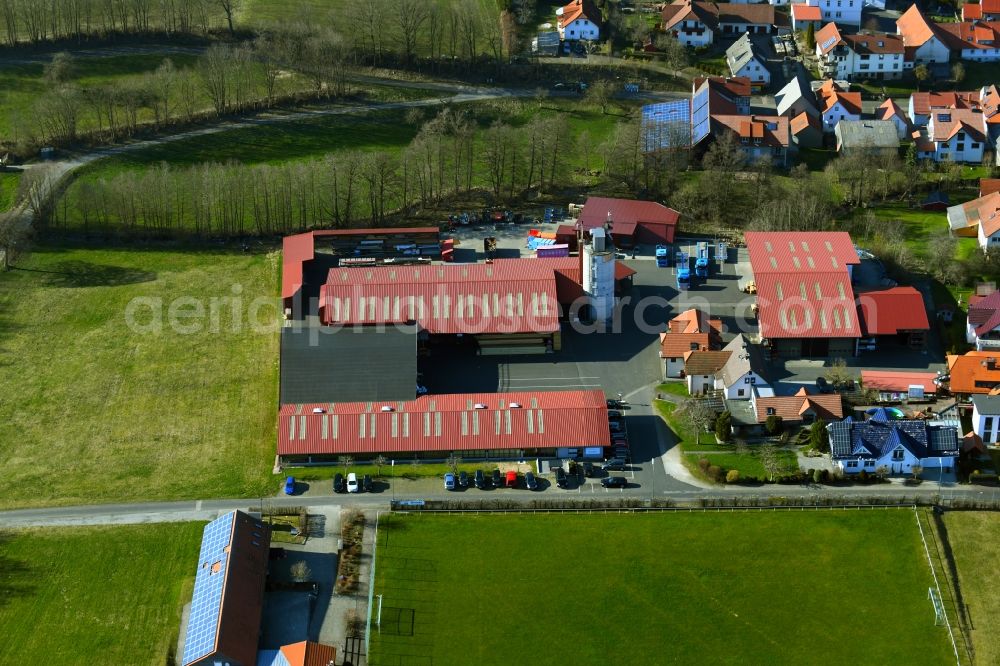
{"x":666,"y":125}
{"x":700,"y":126}
{"x":206,"y":604}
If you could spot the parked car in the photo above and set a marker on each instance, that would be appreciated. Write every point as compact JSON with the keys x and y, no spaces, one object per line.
{"x":615,"y":415}
{"x":614,"y":464}
{"x":352,"y":483}
{"x":615,"y":404}
{"x":614,"y":482}
{"x":588,"y":469}
{"x":367,"y":483}
{"x":511,"y":479}
{"x":823,"y":386}
{"x":449,"y":481}
{"x":530,"y":482}
{"x":338,"y":483}
{"x":497,"y":479}
{"x":290,"y":485}
{"x":562,"y":479}
{"x":480,"y":479}
{"x":463,"y":479}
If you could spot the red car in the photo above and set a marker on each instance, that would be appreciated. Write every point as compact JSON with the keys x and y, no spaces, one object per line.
{"x":511,"y":480}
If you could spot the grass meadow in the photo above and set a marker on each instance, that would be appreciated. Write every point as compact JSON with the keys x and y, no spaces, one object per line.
{"x":683,"y":588}
{"x":95,"y":595}
{"x":8,"y":188}
{"x":94,"y":411}
{"x":973,"y":538}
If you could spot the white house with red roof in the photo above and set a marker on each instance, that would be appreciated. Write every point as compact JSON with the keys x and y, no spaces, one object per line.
{"x":760,"y":137}
{"x":804,"y":14}
{"x":984,"y":10}
{"x":694,"y":23}
{"x":983,"y":325}
{"x":805,"y":303}
{"x":579,"y":20}
{"x":922,"y":38}
{"x":846,"y":12}
{"x":953,"y":135}
{"x":836,"y":104}
{"x":979,"y":217}
{"x":978,"y":41}
{"x":889,"y":110}
{"x":876,"y":55}
{"x":922,"y":104}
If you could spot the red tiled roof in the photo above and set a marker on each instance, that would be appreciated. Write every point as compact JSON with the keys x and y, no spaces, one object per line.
{"x":882,"y":380}
{"x":887,"y":109}
{"x":924,"y":102}
{"x":766,"y":130}
{"x":800,"y":122}
{"x":299,"y":248}
{"x":990,"y":100}
{"x":891,"y":311}
{"x":622,"y":271}
{"x":984,"y":211}
{"x":732,"y":86}
{"x":971,"y":11}
{"x":447,"y":423}
{"x":949,"y":122}
{"x":691,"y":330}
{"x":705,"y":362}
{"x":308,"y":653}
{"x":969,"y":35}
{"x":971,"y":372}
{"x":830,"y":93}
{"x":711,"y":14}
{"x":914,"y":27}
{"x":596,"y":211}
{"x":990,"y":6}
{"x":792,"y":408}
{"x":984,"y":313}
{"x":875,"y":43}
{"x":506,"y":296}
{"x":804,"y":12}
{"x":579,"y":9}
{"x":988,"y":186}
{"x":828,"y":37}
{"x":803,"y":286}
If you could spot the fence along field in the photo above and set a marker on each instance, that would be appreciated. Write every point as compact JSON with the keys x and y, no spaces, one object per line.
{"x":804,"y":587}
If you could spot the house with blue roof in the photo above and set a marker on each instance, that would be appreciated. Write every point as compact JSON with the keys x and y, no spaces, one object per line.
{"x":894,"y":446}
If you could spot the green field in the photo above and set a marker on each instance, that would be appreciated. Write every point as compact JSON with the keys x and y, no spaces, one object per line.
{"x":748,"y":465}
{"x":95,"y":595}
{"x":973,"y":538}
{"x":651,"y":589}
{"x":8,"y":188}
{"x":96,"y":411}
{"x":922,"y":226}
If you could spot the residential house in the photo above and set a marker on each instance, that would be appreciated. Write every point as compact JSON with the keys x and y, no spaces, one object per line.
{"x":975,"y":372}
{"x":694,"y":23}
{"x":922,"y":104}
{"x":868,"y":136}
{"x":898,"y":446}
{"x":579,"y":20}
{"x":977,"y":41}
{"x":899,"y":385}
{"x":742,"y":375}
{"x":894,"y":316}
{"x":953,"y":135}
{"x":796,"y":97}
{"x":804,"y":15}
{"x":303,"y":653}
{"x":988,"y":186}
{"x":689,"y":331}
{"x":923,"y":40}
{"x":805,"y":303}
{"x":984,"y":10}
{"x":744,"y":62}
{"x":986,"y":418}
{"x":836,"y":104}
{"x":807,"y":130}
{"x":716,"y":95}
{"x":980,"y":218}
{"x":892,"y":112}
{"x":802,"y":408}
{"x":983,"y":325}
{"x":760,"y":137}
{"x":845,"y":12}
{"x":701,"y":369}
{"x":865,"y":56}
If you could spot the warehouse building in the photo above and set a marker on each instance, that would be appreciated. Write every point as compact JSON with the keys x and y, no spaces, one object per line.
{"x":631,"y":221}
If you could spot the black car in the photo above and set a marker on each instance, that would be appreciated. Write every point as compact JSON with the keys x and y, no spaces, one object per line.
{"x":614,"y":482}
{"x":615,"y":404}
{"x":562,"y":480}
{"x":497,"y":479}
{"x":366,"y":483}
{"x":615,"y":415}
{"x":614,"y":464}
{"x":588,"y":469}
{"x":463,"y":479}
{"x":338,"y":483}
{"x":530,"y":482}
{"x":480,"y":479}
{"x":823,"y":386}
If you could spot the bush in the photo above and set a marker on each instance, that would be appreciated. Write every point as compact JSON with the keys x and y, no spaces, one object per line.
{"x":819,"y":475}
{"x":733,"y":476}
{"x":703,"y":465}
{"x":723,"y":427}
{"x":715,"y":473}
{"x":773,"y":424}
{"x":863,"y":476}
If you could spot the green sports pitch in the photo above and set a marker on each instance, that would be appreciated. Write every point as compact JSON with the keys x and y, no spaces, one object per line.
{"x":818,"y":587}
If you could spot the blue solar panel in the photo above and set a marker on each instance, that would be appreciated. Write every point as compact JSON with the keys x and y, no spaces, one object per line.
{"x":206,"y":604}
{"x":699,"y":116}
{"x":666,"y":125}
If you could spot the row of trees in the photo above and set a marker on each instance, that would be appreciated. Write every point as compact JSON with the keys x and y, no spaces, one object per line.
{"x":40,"y":20}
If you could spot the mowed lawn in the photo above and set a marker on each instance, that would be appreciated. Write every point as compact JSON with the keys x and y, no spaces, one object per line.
{"x":8,"y":188}
{"x":96,"y":595}
{"x":974,"y":541}
{"x":95,"y":410}
{"x":825,"y":587}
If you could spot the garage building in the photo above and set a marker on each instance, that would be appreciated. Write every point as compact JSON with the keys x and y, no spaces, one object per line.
{"x":632,"y":221}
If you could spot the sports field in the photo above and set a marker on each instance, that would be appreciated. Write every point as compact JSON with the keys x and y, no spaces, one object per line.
{"x":976,"y":547}
{"x":95,"y":595}
{"x":826,"y":587}
{"x":95,"y":410}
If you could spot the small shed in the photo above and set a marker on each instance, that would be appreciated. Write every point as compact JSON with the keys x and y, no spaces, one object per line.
{"x":936,"y":200}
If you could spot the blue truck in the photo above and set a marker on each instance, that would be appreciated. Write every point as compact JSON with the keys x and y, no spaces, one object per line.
{"x":701,"y":263}
{"x":662,"y":260}
{"x":683,"y":272}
